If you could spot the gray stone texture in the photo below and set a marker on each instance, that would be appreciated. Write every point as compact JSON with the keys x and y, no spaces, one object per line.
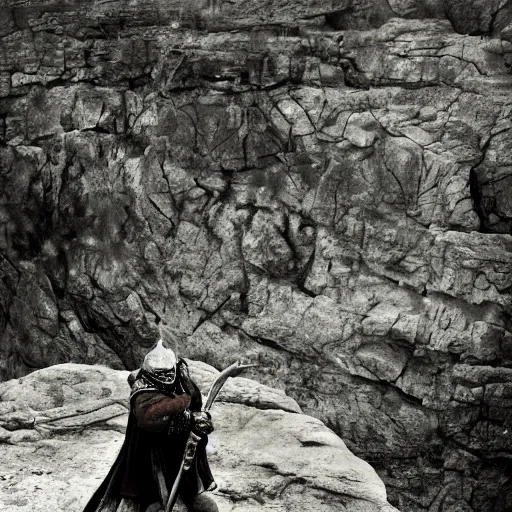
{"x":324,"y":184}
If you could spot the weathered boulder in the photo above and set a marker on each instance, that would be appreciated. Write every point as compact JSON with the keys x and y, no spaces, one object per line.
{"x":61,"y":428}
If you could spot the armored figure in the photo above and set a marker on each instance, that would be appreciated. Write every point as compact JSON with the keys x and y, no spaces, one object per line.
{"x":165,"y":407}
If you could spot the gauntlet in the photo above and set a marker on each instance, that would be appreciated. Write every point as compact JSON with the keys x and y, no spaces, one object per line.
{"x":202,"y":423}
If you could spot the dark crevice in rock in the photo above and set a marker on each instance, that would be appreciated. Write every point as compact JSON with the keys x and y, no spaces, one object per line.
{"x":210,"y":314}
{"x":271,"y":344}
{"x":301,"y":281}
{"x":97,"y":129}
{"x":494,"y":16}
{"x":337,"y":19}
{"x":476,"y":197}
{"x":29,"y":366}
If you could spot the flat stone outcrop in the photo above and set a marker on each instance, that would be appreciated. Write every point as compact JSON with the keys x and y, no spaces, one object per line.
{"x":61,"y":429}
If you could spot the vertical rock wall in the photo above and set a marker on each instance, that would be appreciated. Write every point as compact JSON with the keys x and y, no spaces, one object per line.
{"x":327,"y":184}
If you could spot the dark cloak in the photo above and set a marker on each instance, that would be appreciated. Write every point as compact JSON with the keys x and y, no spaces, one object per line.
{"x":133,"y":474}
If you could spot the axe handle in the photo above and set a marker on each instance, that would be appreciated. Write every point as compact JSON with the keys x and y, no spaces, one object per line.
{"x":188,"y":457}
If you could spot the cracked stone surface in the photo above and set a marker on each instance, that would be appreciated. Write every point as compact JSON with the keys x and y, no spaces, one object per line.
{"x":324,"y":184}
{"x":61,"y":429}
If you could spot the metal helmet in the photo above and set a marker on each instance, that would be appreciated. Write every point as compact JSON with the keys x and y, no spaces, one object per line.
{"x":160,"y":365}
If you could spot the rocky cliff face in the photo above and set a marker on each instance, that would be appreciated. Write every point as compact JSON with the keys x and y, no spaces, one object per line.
{"x":62,"y":427}
{"x":325,"y":183}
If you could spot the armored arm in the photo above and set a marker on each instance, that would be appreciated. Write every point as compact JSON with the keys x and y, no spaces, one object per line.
{"x":155,"y":412}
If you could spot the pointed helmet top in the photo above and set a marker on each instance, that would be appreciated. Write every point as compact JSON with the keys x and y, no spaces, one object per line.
{"x":160,"y":358}
{"x":160,"y":362}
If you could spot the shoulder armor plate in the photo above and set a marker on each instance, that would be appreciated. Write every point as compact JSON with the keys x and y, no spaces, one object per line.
{"x":139,"y":385}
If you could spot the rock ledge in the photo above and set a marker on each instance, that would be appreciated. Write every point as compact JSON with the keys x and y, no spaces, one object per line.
{"x":61,"y":428}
